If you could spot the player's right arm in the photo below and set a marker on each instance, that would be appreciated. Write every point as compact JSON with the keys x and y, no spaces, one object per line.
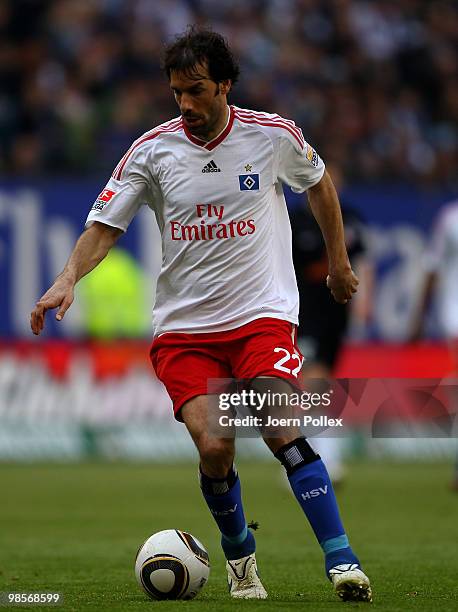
{"x":90,"y":249}
{"x":124,"y":194}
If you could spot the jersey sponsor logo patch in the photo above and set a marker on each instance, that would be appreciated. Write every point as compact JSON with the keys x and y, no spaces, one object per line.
{"x":103,"y":199}
{"x":212,"y":225}
{"x":106,"y":195}
{"x":312,"y":156}
{"x":249,"y":182}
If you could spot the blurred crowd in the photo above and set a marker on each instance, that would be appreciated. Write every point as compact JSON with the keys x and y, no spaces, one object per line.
{"x":372,"y":83}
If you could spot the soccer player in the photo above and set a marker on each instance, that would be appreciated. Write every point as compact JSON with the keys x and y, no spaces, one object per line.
{"x":441,"y":271}
{"x":440,"y":280}
{"x":226,"y":295}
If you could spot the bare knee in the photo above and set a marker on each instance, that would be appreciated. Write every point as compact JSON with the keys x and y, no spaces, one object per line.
{"x":216,"y":455}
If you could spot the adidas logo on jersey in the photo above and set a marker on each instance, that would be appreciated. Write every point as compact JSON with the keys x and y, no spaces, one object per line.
{"x":211,"y":167}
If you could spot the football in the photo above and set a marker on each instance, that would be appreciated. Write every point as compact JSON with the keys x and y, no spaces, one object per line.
{"x":172,"y":564}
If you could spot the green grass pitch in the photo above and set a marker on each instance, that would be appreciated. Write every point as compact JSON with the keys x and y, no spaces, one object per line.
{"x":75,"y":529}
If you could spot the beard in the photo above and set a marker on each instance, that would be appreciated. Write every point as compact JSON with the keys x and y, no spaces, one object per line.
{"x":199,"y":125}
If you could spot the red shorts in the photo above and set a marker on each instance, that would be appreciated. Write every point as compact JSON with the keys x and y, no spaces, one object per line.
{"x":184,"y":362}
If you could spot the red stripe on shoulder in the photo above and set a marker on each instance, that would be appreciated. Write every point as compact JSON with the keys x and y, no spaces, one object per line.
{"x":163,"y":126}
{"x":172,"y":126}
{"x":263,"y":118}
{"x":266,"y":116}
{"x":284,"y":126}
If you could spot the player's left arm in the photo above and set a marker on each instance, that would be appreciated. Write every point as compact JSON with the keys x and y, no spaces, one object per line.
{"x":300,"y":167}
{"x":325,"y":206}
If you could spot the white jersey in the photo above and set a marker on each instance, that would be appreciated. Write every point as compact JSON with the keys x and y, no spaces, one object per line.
{"x":442,"y":258}
{"x":226,"y":236}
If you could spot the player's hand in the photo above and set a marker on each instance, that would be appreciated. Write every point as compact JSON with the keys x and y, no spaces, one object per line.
{"x":60,"y":295}
{"x":342,"y":285}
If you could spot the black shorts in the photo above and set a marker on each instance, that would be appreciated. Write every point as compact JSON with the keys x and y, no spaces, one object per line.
{"x":321,"y":332}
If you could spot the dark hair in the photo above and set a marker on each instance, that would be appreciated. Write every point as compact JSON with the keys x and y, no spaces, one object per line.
{"x":198,"y":46}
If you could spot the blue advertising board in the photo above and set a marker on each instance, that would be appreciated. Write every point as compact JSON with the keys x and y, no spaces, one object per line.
{"x":41,"y":220}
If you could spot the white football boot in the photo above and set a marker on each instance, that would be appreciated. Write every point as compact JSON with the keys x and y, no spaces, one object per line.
{"x":243,"y":579}
{"x":351,"y":583}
